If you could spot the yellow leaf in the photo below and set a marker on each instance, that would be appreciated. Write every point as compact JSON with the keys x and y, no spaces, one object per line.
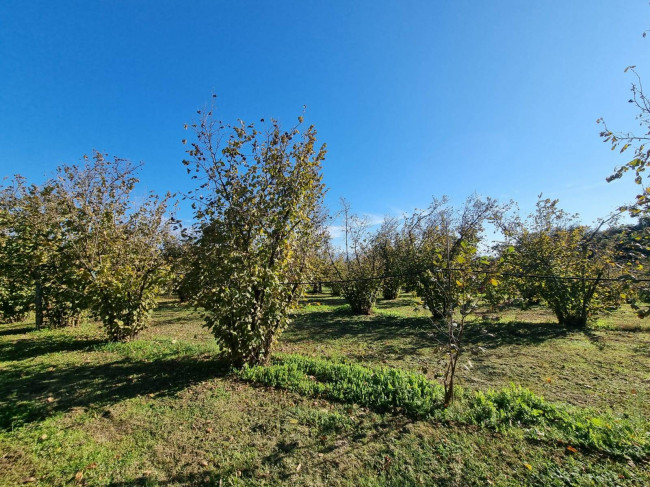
{"x":571,"y":449}
{"x":494,"y":282}
{"x":528,"y":466}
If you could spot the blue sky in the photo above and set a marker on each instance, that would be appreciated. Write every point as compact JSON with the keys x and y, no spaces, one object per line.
{"x":413,"y":98}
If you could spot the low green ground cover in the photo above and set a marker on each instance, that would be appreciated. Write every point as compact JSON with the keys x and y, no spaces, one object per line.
{"x":347,"y":401}
{"x":389,"y":389}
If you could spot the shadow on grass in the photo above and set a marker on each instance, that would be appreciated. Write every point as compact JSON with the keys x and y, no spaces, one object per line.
{"x":409,"y":334}
{"x":35,"y":346}
{"x":326,"y":299}
{"x":24,"y":393}
{"x":342,"y":323}
{"x":495,"y":335}
{"x":173,"y":305}
{"x":387,"y":336}
{"x":12,"y":330}
{"x":189,"y":318}
{"x":255,"y":471}
{"x":396,"y":303}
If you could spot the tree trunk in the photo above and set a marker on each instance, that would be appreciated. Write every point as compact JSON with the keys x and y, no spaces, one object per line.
{"x":38,"y":304}
{"x":578,"y":321}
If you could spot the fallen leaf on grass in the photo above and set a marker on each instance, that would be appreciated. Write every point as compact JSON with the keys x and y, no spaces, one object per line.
{"x":528,"y":466}
{"x":79,"y":476}
{"x":571,"y":449}
{"x":203,"y":463}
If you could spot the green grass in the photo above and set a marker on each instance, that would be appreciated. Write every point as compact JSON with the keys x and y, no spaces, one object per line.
{"x":163,"y":410}
{"x":411,"y":394}
{"x":603,"y":369}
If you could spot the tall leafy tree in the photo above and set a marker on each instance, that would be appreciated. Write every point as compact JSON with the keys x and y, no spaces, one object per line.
{"x":568,"y":264}
{"x":357,"y":266}
{"x":257,"y":206}
{"x":115,"y":243}
{"x":35,"y":258}
{"x":390,"y":248}
{"x":16,"y":283}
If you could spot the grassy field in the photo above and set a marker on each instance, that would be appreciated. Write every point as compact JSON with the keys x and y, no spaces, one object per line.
{"x":162,"y":409}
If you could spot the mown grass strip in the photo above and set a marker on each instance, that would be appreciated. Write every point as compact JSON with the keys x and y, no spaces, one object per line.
{"x":390,"y":389}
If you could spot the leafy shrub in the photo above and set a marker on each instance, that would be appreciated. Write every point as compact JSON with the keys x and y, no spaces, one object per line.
{"x":579,"y":259}
{"x":391,"y":288}
{"x":15,"y":300}
{"x":260,"y":206}
{"x":114,"y":243}
{"x":361,"y":295}
{"x":390,"y":246}
{"x":123,"y":307}
{"x":358,"y":266}
{"x":65,"y":299}
{"x":336,"y":288}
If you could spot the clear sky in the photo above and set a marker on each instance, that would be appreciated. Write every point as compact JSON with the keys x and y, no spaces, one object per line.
{"x":413,"y":98}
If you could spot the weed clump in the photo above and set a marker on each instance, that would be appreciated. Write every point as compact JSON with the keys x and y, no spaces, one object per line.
{"x":382,"y":389}
{"x":389,"y":389}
